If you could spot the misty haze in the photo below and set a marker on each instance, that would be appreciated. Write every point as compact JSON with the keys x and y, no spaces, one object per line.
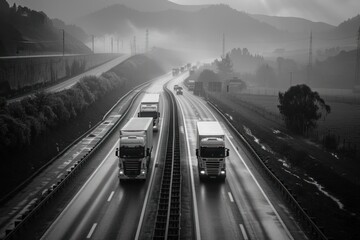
{"x":181,"y":119}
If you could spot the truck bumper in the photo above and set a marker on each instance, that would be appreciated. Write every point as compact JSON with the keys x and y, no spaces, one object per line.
{"x":204,"y":175}
{"x":141,"y":176}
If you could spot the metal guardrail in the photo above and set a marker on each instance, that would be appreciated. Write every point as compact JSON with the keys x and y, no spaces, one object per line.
{"x":38,"y":203}
{"x":167,"y":225}
{"x":307,"y":222}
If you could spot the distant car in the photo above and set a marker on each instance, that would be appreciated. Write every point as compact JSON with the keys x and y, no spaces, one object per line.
{"x":176,"y":87}
{"x":179,"y":92}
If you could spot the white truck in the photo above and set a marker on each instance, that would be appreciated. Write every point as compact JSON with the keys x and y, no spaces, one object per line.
{"x":135,"y":147}
{"x":149,"y":107}
{"x":211,"y":151}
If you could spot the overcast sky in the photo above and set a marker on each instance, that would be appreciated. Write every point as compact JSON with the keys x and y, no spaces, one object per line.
{"x":330,"y":11}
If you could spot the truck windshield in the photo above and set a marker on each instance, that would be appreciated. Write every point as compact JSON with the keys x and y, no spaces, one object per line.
{"x":212,"y":152}
{"x":148,"y":114}
{"x":132,"y":152}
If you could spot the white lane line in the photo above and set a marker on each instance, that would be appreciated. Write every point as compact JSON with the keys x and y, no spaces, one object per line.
{"x":142,"y":215}
{"x":197,"y":224}
{"x":111,"y":195}
{"x":243,"y":231}
{"x":231,"y":197}
{"x":59,"y":176}
{"x":253,"y":177}
{"x":91,"y":230}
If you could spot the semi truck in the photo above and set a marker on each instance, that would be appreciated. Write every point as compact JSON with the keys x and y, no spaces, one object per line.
{"x":191,"y":85}
{"x":149,"y":107}
{"x":135,"y":147}
{"x":211,"y":151}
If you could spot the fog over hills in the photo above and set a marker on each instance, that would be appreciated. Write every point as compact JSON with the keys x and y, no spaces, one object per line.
{"x":25,"y":31}
{"x":199,"y":29}
{"x":293,"y":24}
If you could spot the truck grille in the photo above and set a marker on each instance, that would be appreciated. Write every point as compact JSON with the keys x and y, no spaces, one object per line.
{"x":132,"y":168}
{"x":212,"y":167}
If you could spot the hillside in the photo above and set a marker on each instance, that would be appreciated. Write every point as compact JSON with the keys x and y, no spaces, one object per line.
{"x":24,"y":31}
{"x":158,"y":5}
{"x":190,"y":30}
{"x":293,"y":24}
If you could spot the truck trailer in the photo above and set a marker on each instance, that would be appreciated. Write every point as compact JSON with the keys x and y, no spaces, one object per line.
{"x":211,"y":151}
{"x":135,"y":147}
{"x":149,"y":107}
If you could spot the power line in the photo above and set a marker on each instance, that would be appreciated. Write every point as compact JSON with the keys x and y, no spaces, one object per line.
{"x":147,"y":41}
{"x":310,"y":60}
{"x":357,"y":66}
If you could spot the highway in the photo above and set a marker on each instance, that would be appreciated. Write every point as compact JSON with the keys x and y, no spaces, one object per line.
{"x":97,"y":71}
{"x":243,"y":207}
{"x":103,"y":208}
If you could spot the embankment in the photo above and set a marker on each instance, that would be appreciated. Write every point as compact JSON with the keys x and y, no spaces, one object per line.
{"x":25,"y":73}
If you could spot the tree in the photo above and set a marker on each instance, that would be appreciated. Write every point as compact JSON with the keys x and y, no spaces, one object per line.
{"x":265,"y":76}
{"x":208,"y":76}
{"x":225,"y":67}
{"x":301,"y":108}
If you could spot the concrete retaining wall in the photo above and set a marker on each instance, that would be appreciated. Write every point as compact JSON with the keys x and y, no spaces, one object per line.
{"x":17,"y":74}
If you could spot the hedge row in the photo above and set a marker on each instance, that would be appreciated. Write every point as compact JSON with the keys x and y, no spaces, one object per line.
{"x":21,"y":122}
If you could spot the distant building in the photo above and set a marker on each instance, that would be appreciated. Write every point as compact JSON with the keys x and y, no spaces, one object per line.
{"x":235,"y":85}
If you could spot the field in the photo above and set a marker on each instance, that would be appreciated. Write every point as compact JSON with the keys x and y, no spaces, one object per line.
{"x":343,"y":121}
{"x":325,"y":184}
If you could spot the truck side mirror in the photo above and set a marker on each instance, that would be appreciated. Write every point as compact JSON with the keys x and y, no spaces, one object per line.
{"x":197,"y":152}
{"x":148,"y":152}
{"x":138,"y":114}
{"x":227,"y":152}
{"x":158,"y":114}
{"x":117,"y":152}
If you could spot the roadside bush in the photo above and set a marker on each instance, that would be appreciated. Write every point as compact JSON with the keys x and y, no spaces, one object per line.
{"x":331,"y":142}
{"x":21,"y":122}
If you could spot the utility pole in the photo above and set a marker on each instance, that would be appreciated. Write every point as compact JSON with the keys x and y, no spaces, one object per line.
{"x":112,"y":45}
{"x":63,"y":38}
{"x":131,"y":48}
{"x":134,"y":45}
{"x":104,"y":44}
{"x":92,"y":40}
{"x":291,"y":77}
{"x":147,"y":41}
{"x":310,"y":61}
{"x":357,"y":66}
{"x":223,"y":46}
{"x":118,"y":45}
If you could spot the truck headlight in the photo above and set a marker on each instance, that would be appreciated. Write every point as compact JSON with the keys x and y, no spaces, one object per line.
{"x":121,"y":172}
{"x":143,"y":172}
{"x":222,"y":172}
{"x":202,"y":172}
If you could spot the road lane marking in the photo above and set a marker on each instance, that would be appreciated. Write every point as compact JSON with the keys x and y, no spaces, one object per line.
{"x":111,"y":195}
{"x":231,"y":197}
{"x":243,"y":231}
{"x":197,"y":224}
{"x":91,"y":230}
{"x":142,"y":215}
{"x":253,"y":177}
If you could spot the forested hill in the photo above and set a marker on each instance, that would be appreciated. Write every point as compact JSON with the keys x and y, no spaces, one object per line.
{"x":24,"y":31}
